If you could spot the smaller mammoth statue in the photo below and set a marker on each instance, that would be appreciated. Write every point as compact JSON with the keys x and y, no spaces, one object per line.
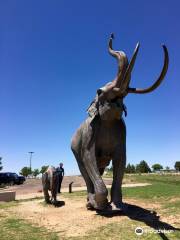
{"x":102,"y":136}
{"x":50,"y":181}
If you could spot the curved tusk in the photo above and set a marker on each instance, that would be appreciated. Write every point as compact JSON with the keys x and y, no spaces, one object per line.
{"x":122,"y":63}
{"x":111,"y":51}
{"x":127,"y":76}
{"x":159,"y":80}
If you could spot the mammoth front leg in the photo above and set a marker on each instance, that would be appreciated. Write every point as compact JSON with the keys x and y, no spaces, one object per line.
{"x":119,"y":163}
{"x":54,"y":188}
{"x":89,"y":184}
{"x":45,"y":183}
{"x":89,"y":160}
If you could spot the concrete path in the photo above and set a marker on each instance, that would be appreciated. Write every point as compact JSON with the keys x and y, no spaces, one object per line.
{"x":74,"y":189}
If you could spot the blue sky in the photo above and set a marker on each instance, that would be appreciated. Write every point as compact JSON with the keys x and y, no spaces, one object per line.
{"x":53,"y":57}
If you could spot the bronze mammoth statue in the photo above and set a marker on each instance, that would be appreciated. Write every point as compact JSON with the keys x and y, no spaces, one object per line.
{"x":50,"y":183}
{"x":102,"y":136}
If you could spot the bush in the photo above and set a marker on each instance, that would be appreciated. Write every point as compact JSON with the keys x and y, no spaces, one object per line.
{"x":130,"y":168}
{"x":157,"y":167}
{"x":143,"y":167}
{"x":25,"y":171}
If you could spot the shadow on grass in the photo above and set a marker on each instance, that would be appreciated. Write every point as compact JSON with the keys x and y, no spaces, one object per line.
{"x":57,"y":203}
{"x":150,"y":218}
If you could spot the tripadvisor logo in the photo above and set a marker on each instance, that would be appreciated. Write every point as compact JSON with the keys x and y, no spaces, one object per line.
{"x":139,"y":231}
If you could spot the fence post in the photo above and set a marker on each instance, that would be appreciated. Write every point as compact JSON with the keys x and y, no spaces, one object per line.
{"x":70,"y":187}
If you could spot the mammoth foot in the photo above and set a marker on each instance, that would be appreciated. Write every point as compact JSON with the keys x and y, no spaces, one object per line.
{"x":120,"y":206}
{"x":91,"y":203}
{"x":96,"y":202}
{"x":47,"y":201}
{"x":90,"y":206}
{"x":53,"y":202}
{"x":113,"y":209}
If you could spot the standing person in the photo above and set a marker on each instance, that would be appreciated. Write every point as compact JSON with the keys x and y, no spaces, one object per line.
{"x":60,"y":171}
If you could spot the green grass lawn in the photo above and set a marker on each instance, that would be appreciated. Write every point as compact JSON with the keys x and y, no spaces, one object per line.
{"x":125,"y":231}
{"x":18,"y":229}
{"x":165,"y":187}
{"x":156,"y":191}
{"x":164,"y":191}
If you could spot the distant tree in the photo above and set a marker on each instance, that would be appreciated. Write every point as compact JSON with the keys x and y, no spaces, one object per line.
{"x":167,"y":168}
{"x":157,"y":167}
{"x":25,"y":171}
{"x":143,"y":167}
{"x":177,"y":166}
{"x":133,"y":169}
{"x":43,"y":169}
{"x":1,"y":167}
{"x":130,"y":168}
{"x":35,"y":172}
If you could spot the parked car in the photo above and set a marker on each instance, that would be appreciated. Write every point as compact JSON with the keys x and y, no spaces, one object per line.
{"x":11,"y":178}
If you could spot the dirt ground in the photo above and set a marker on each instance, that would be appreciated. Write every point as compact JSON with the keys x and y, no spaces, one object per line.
{"x":71,"y":219}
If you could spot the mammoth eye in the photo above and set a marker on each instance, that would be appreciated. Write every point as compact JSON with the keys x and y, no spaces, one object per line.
{"x":99,"y":91}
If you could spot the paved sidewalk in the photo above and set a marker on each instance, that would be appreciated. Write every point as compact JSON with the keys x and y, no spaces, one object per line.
{"x":74,"y":189}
